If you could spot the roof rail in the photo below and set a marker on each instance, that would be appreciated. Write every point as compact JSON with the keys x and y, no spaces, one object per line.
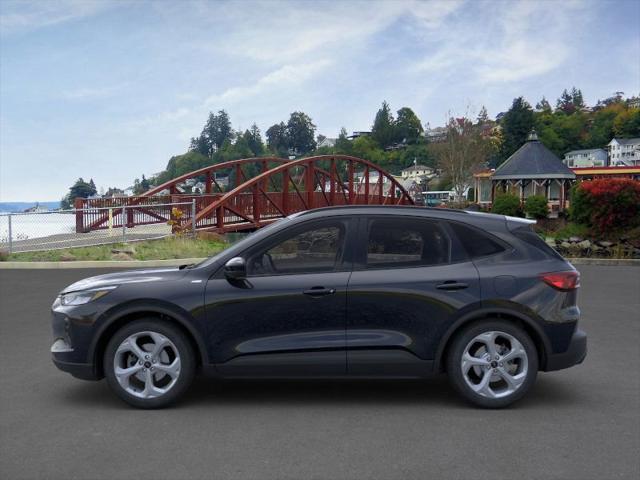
{"x":385,"y":207}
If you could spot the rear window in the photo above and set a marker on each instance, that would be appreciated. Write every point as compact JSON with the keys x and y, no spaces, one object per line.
{"x":475,"y":242}
{"x":532,"y":238}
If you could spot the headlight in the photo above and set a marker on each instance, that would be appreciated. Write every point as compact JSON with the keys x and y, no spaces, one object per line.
{"x":84,"y":296}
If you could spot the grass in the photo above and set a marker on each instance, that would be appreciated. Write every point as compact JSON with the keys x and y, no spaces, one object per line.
{"x":163,"y":249}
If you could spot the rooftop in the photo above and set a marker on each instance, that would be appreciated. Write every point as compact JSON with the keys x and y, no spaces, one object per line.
{"x":533,"y":160}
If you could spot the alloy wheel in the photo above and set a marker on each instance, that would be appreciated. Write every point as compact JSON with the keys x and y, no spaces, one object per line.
{"x":147,"y":364}
{"x":494,"y":364}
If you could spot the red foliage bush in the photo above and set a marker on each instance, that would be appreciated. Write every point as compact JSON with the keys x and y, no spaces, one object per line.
{"x":607,"y":204}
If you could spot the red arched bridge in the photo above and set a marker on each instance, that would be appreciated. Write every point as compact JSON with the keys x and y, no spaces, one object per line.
{"x":258,"y":191}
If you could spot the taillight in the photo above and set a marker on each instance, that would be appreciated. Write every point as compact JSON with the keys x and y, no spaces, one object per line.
{"x":564,"y":281}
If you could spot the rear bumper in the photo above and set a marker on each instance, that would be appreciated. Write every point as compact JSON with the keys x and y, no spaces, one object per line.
{"x":574,"y":355}
{"x":84,"y":371}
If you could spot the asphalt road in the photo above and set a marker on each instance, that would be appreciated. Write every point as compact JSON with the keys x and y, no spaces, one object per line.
{"x":581,"y":423}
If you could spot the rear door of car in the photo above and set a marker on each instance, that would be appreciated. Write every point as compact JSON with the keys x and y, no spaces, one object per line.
{"x":411,"y":280}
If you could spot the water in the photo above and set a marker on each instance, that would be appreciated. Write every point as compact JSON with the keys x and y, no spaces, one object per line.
{"x":28,"y":226}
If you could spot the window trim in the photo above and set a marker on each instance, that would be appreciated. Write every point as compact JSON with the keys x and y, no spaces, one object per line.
{"x":360,"y":257}
{"x":344,"y":264}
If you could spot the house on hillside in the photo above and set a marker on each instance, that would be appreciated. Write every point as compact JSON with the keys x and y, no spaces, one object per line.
{"x":593,"y":157}
{"x":624,"y":152}
{"x":532,"y":170}
{"x":419,"y":173}
{"x":327,"y":142}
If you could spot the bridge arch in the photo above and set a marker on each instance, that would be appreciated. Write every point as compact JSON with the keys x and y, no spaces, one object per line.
{"x":297,"y":185}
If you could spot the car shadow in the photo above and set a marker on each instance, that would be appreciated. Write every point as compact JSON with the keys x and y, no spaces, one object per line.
{"x":434,"y":392}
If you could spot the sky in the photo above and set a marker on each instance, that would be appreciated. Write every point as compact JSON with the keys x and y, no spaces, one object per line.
{"x":110,"y":90}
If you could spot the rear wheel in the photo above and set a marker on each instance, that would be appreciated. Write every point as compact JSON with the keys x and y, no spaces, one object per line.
{"x":492,"y":363}
{"x":149,"y":363}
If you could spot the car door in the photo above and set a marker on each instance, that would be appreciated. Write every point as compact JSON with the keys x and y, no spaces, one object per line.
{"x":289,"y":317}
{"x":410,"y":281}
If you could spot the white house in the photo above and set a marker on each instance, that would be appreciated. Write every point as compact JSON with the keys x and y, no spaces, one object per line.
{"x":624,"y":152}
{"x":417,"y":172}
{"x":327,"y":142}
{"x":594,"y":157}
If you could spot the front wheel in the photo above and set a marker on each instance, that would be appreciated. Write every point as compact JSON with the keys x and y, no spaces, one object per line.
{"x":492,"y":363}
{"x":149,"y":363}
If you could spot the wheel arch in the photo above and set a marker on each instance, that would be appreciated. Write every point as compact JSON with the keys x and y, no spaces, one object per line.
{"x":122,"y":315}
{"x":529,"y":325}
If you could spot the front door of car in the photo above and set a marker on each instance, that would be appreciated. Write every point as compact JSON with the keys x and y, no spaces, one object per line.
{"x":288,"y":318}
{"x":410,"y":281}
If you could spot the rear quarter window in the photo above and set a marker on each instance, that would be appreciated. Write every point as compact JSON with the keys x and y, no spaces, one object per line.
{"x":526,"y":234}
{"x":476,"y":242}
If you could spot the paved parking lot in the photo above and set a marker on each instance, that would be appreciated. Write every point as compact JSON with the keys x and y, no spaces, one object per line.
{"x":581,"y":423}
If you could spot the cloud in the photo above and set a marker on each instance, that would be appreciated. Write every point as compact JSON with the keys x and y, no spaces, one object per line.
{"x":21,"y":16}
{"x":285,"y":77}
{"x":92,"y":92}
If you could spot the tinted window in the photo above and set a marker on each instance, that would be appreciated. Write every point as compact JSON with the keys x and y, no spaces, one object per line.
{"x":533,"y":239}
{"x":316,"y":249}
{"x":475,"y":242}
{"x":401,"y":242}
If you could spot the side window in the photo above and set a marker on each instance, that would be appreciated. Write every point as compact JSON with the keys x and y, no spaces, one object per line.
{"x":317,"y":249}
{"x":406,"y":242}
{"x":475,"y":242}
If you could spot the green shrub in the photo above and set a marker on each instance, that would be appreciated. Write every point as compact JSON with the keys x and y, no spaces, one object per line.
{"x":507,"y":204}
{"x":536,"y":207}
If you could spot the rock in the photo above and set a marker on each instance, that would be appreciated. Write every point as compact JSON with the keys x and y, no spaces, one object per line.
{"x":566,"y":245}
{"x":550,"y":241}
{"x":585,"y":244}
{"x":606,"y":244}
{"x":67,"y":257}
{"x":575,"y":239}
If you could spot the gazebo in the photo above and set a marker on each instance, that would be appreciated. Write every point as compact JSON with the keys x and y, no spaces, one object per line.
{"x":532,"y":170}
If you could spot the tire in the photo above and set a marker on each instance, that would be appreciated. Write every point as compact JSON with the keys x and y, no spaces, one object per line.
{"x":149,"y":363}
{"x":512,"y":363}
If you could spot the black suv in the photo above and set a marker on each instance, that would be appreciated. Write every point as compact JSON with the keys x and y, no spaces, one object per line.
{"x":362,"y":291}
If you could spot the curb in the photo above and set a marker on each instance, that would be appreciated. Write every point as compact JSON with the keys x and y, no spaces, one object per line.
{"x":612,"y":262}
{"x":174,"y":262}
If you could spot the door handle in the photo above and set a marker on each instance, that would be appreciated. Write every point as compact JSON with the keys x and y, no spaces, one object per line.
{"x":319,"y":291}
{"x":452,"y":285}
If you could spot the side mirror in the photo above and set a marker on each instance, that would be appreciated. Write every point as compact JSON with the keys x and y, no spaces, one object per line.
{"x":235,"y":269}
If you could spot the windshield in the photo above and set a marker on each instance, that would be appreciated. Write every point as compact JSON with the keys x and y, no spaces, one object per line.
{"x":246,"y":241}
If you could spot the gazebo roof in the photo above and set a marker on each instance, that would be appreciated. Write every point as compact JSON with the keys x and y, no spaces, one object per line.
{"x":532,"y":160}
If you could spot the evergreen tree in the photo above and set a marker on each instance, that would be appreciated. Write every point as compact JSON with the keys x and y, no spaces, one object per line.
{"x":517,"y":123}
{"x":565,"y":103}
{"x":483,"y":116}
{"x":343,"y":144}
{"x":216,"y":131}
{"x":576,"y":99}
{"x":253,"y":139}
{"x":382,"y":130}
{"x":543,"y":106}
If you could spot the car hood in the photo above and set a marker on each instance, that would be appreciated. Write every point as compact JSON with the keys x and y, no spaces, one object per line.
{"x":120,"y":278}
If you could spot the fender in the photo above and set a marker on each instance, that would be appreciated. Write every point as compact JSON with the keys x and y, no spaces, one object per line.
{"x":488,"y":311}
{"x":184,"y":318}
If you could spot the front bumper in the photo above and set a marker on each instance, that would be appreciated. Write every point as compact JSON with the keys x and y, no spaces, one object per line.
{"x":84,"y":371}
{"x":574,"y":355}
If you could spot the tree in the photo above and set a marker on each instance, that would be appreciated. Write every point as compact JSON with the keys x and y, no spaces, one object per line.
{"x":216,"y":131}
{"x":253,"y":138}
{"x":544,"y":106}
{"x":277,"y":139}
{"x":80,"y":189}
{"x":343,"y":144}
{"x":483,"y":116}
{"x":408,"y":126}
{"x":382,"y":130}
{"x":565,"y":103}
{"x":576,"y":99}
{"x":517,"y":123}
{"x":463,"y":151}
{"x":627,"y":124}
{"x":301,"y":133}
